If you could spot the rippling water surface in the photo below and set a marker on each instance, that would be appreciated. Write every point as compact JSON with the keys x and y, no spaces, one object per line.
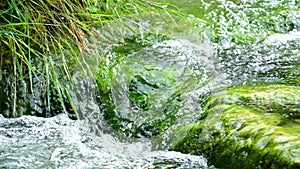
{"x":253,"y":41}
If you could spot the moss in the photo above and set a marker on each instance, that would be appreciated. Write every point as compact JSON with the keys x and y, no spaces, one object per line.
{"x":141,"y":94}
{"x":280,"y":99}
{"x":236,"y":134}
{"x":144,"y":92}
{"x":191,"y":144}
{"x":130,"y":89}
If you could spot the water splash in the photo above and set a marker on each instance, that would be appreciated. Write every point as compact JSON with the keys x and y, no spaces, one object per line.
{"x":256,"y":41}
{"x":58,"y":142}
{"x":244,"y":57}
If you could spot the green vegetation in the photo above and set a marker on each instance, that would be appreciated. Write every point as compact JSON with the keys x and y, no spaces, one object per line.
{"x":141,"y":94}
{"x":270,"y":98}
{"x":41,"y":44}
{"x":255,"y":125}
{"x":249,"y":127}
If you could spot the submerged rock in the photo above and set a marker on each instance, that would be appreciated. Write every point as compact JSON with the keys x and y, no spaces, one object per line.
{"x":146,"y":85}
{"x":249,"y":127}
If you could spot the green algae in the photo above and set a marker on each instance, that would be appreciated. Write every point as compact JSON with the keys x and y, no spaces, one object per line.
{"x":142,"y":89}
{"x":243,"y":133}
{"x":270,"y":98}
{"x":143,"y":95}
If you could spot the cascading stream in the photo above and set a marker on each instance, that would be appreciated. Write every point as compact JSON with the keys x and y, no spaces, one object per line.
{"x":176,"y":74}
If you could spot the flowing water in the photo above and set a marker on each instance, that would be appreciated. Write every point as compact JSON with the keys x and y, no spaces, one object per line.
{"x":58,"y":142}
{"x":251,"y":42}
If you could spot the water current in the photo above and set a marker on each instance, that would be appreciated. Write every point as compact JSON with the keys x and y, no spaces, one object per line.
{"x":59,"y":142}
{"x":244,"y":51}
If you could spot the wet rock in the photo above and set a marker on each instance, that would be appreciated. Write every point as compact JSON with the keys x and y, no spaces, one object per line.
{"x":143,"y":91}
{"x":249,"y":127}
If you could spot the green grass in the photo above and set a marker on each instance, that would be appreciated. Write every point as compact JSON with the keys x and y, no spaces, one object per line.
{"x":42,"y":41}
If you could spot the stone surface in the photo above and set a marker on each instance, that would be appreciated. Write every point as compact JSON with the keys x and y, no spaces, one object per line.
{"x":249,"y":127}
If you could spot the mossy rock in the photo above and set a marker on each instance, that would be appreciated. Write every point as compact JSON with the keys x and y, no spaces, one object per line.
{"x":269,"y":98}
{"x":144,"y":86}
{"x":249,"y":127}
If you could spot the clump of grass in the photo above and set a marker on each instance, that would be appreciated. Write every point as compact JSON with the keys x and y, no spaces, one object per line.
{"x":33,"y":37}
{"x":35,"y":74}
